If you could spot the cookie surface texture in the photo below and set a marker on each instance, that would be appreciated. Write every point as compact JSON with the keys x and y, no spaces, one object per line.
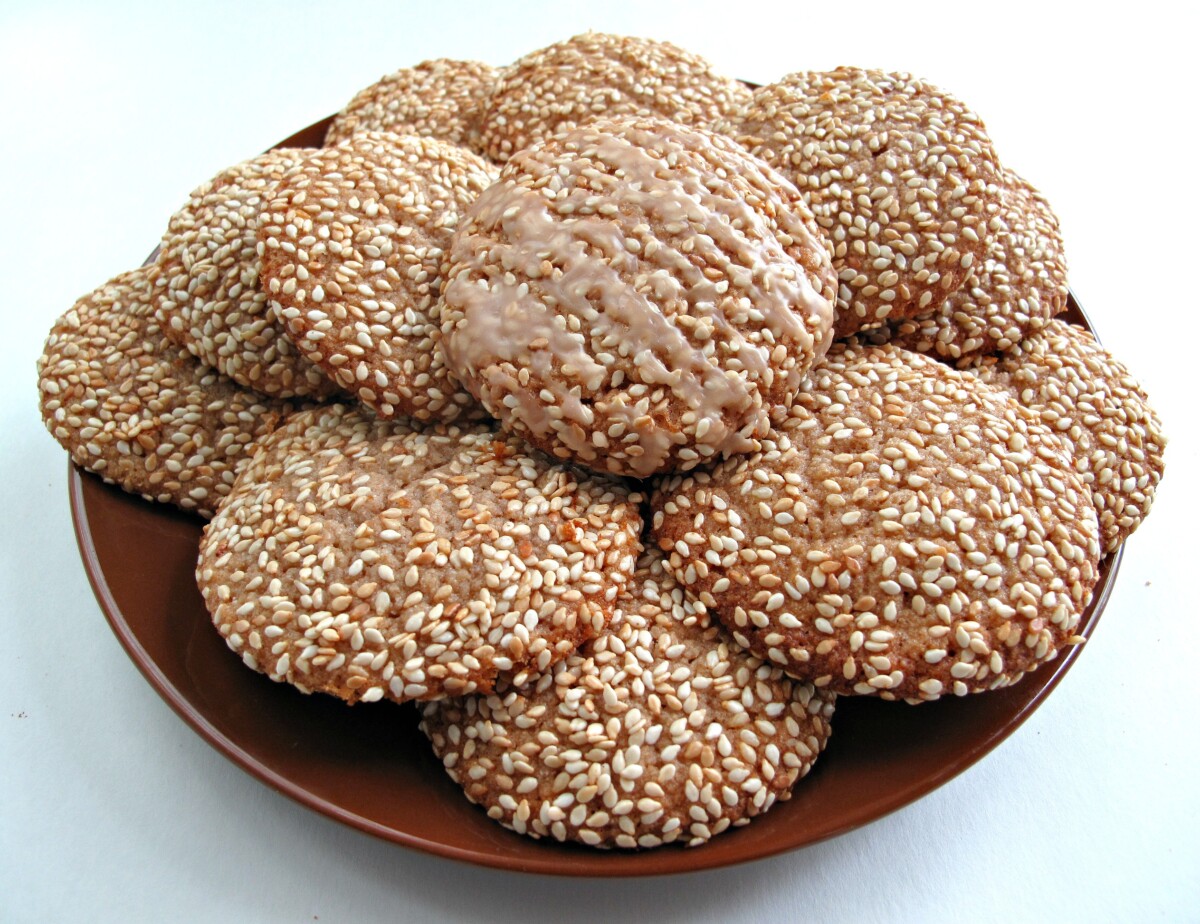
{"x":212,"y":300}
{"x":897,"y":173}
{"x":443,"y":98}
{"x":661,"y":730}
{"x":1010,"y":295}
{"x":908,"y":533}
{"x":130,"y":405}
{"x":371,"y":559}
{"x":351,"y":248}
{"x":635,"y":296}
{"x":596,"y":75}
{"x":1090,"y":399}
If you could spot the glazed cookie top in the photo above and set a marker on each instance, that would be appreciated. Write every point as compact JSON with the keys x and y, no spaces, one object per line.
{"x":140,"y":411}
{"x":443,"y":98}
{"x":596,"y":75}
{"x":1090,"y":399}
{"x":211,"y":300}
{"x":351,"y":248}
{"x":636,"y":295}
{"x":1013,"y":292}
{"x":369,"y":558}
{"x":897,"y":173}
{"x":661,"y":730}
{"x":907,"y":532}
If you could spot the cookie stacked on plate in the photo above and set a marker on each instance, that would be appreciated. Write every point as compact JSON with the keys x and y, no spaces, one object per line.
{"x":622,"y":417}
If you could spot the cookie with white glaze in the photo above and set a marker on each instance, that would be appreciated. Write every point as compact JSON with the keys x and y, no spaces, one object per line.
{"x":636,"y":296}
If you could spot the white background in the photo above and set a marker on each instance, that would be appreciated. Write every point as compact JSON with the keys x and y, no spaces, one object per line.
{"x":112,"y":809}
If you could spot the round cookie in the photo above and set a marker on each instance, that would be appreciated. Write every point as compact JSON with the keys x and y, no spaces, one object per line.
{"x":443,"y":98}
{"x":1012,"y":293}
{"x":596,"y":75}
{"x":212,"y":302}
{"x":661,"y":730}
{"x":1085,"y":395}
{"x":897,"y":173}
{"x":351,"y":250}
{"x":140,"y":411}
{"x":907,"y":532}
{"x":636,"y":296}
{"x":369,"y":558}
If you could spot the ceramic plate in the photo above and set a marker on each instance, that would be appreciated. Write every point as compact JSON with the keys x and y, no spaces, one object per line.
{"x":369,"y":766}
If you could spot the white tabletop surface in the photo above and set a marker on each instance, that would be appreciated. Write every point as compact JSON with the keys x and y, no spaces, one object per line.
{"x":112,"y":809}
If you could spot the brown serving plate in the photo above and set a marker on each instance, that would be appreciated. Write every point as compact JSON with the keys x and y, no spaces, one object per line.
{"x":370,"y":767}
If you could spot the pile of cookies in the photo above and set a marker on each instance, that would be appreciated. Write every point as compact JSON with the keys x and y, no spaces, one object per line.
{"x":623,"y":418}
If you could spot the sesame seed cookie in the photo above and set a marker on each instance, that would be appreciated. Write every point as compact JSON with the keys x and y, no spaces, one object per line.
{"x":443,"y":98}
{"x":212,"y":302}
{"x":1085,"y":395}
{"x":636,"y":295}
{"x":661,"y":730}
{"x":1012,"y":293}
{"x":596,"y":75}
{"x":906,"y":532}
{"x":140,"y":411}
{"x":897,"y":173}
{"x":351,"y":250}
{"x":369,"y":558}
